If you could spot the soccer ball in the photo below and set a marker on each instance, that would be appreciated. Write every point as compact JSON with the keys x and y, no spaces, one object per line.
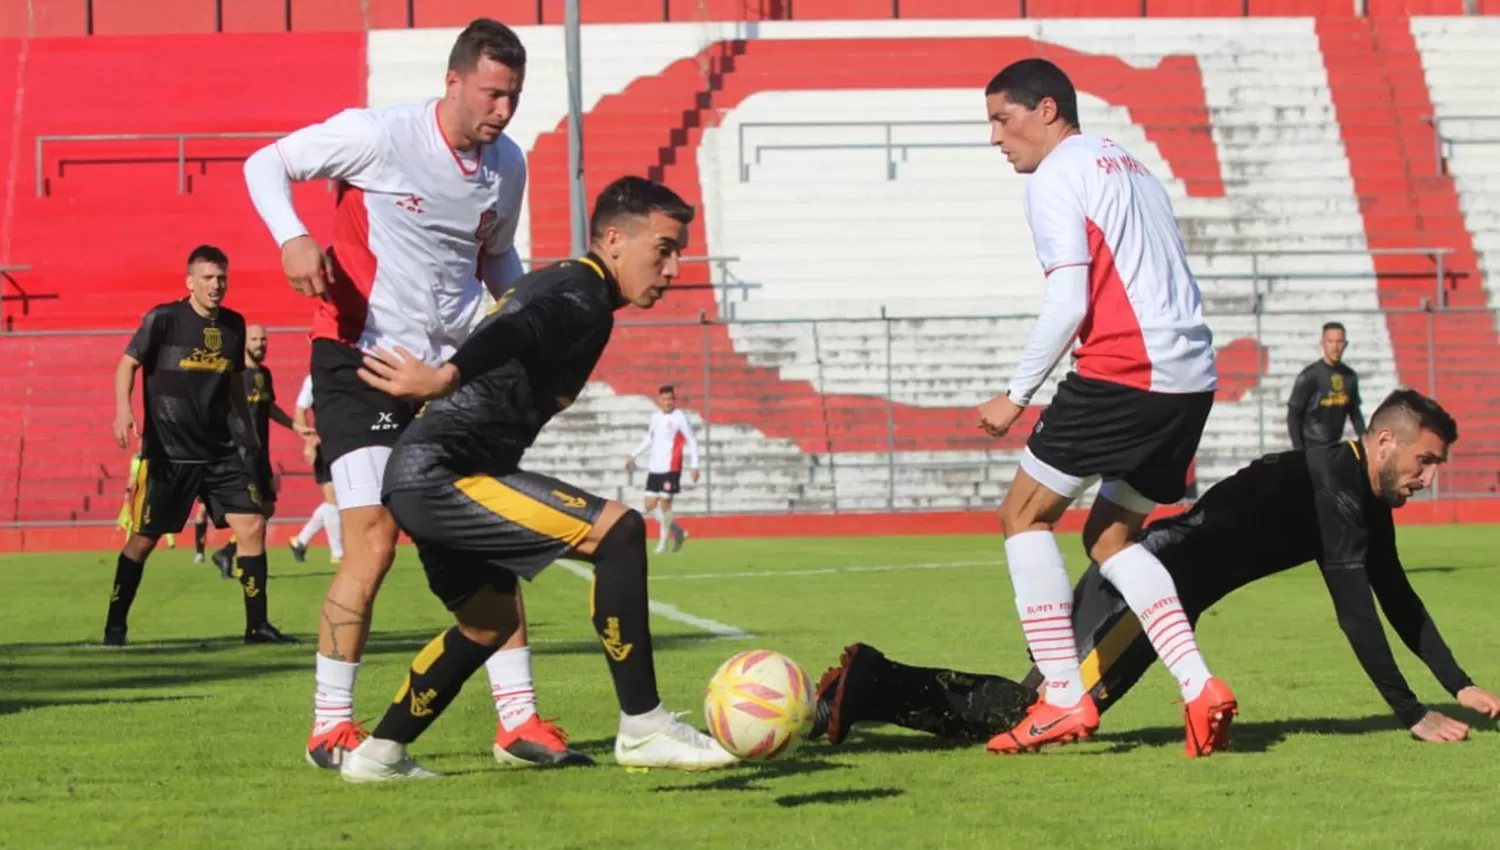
{"x":759,"y":705}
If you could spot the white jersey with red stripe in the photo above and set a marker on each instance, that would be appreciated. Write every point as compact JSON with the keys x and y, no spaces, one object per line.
{"x":415,"y":221}
{"x":305,"y":395}
{"x":669,"y":435}
{"x":1093,"y":207}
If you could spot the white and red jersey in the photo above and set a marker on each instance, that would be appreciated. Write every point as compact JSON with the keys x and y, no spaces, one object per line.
{"x":1118,"y":276}
{"x":669,"y":435}
{"x":415,"y":221}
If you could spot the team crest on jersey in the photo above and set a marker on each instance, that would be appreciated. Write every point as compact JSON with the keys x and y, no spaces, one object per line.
{"x":209,"y":358}
{"x":487,"y":221}
{"x":1337,"y":382}
{"x":258,"y":394}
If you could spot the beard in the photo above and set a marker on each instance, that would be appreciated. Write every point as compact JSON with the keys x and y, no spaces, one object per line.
{"x":1390,"y":488}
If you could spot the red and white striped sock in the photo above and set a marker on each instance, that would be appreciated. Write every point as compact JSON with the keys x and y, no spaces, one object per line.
{"x":1150,"y":592}
{"x":510,"y":685}
{"x":1044,"y":601}
{"x":333,"y":702}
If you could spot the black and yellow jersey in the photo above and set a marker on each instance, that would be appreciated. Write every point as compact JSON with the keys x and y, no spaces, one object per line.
{"x":187,"y":363}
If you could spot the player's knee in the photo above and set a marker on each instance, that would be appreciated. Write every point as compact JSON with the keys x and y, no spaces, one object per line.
{"x":1017,"y":519}
{"x":625,"y":537}
{"x":138,"y":547}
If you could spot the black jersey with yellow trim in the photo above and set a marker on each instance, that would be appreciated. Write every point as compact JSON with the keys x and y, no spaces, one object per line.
{"x":187,"y":364}
{"x":558,"y":320}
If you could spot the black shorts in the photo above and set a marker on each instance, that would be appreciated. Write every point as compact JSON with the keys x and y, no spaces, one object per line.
{"x":666,"y":484}
{"x":321,"y":473}
{"x":165,"y":491}
{"x":485,"y":531}
{"x":352,"y":414}
{"x":265,"y":489}
{"x":1098,"y":429}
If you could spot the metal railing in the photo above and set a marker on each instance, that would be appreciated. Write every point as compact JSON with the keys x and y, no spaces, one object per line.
{"x":889,"y":143}
{"x":873,"y":413}
{"x":723,"y":279}
{"x":7,"y":274}
{"x":1443,"y":145}
{"x":181,"y":140}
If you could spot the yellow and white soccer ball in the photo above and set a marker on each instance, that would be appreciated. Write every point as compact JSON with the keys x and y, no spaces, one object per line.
{"x":760,"y":704}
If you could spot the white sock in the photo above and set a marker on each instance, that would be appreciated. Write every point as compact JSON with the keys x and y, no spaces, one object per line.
{"x":510,"y":685}
{"x":314,"y":525}
{"x":334,"y":526}
{"x":1150,"y":592}
{"x":333,"y":702}
{"x":668,"y":523}
{"x":641,"y":725}
{"x":1044,"y":601}
{"x":661,"y":522}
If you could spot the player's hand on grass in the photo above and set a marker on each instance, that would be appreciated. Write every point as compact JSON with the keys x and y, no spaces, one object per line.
{"x":1438,"y":728}
{"x":306,"y":266}
{"x":404,"y":375}
{"x":1478,"y":699}
{"x":998,"y":414}
{"x":126,"y":431}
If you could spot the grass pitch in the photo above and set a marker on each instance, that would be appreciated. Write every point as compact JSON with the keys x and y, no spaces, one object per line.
{"x":191,"y":739}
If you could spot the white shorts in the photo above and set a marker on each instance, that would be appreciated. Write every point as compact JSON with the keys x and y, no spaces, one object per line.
{"x":358,"y":476}
{"x":1072,"y":486}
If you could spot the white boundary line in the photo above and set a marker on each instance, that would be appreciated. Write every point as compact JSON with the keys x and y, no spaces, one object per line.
{"x":671,"y":612}
{"x":828,"y":571}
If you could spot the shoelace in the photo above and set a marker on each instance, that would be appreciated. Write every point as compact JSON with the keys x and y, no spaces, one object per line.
{"x":351,"y":734}
{"x":550,"y":729}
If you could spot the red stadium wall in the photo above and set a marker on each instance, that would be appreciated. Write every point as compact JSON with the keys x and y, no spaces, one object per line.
{"x":49,"y":18}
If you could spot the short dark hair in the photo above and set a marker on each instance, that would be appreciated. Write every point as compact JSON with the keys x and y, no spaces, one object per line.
{"x":636,"y":197}
{"x":665,"y":389}
{"x":486,"y":37}
{"x":1028,"y":81}
{"x":209,"y":254}
{"x":1333,"y":326}
{"x":1411,"y":408}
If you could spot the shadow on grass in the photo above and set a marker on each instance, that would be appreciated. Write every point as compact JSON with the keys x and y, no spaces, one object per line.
{"x":9,"y":706}
{"x":838,"y":798}
{"x":1249,"y":737}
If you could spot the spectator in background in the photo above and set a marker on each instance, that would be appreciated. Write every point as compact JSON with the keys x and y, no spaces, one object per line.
{"x":1325,"y":394}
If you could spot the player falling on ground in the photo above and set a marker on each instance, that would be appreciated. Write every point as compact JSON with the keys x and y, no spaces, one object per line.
{"x":326,"y":517}
{"x":1331,"y":504}
{"x":429,"y":200}
{"x":668,"y":435}
{"x":480,"y":521}
{"x":190,"y":353}
{"x":260,"y":391}
{"x":1131,"y":413}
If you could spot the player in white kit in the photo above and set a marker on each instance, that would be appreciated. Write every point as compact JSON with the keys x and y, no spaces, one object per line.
{"x":669,"y":435}
{"x":326,"y":517}
{"x":1131,"y":413}
{"x":429,"y":197}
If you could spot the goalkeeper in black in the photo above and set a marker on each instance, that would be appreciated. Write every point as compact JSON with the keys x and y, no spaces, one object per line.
{"x":1330,"y":504}
{"x":454,"y":483}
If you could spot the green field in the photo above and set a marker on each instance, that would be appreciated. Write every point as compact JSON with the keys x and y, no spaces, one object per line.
{"x":191,"y":739}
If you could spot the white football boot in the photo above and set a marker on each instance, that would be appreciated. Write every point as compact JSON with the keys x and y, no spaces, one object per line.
{"x":673,"y":745}
{"x":381,"y":761}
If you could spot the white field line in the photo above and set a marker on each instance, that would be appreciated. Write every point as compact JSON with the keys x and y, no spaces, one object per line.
{"x":828,"y":571}
{"x":671,"y":612}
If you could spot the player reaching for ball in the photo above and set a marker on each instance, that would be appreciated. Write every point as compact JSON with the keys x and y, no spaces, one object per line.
{"x":1330,"y":504}
{"x":479,"y":521}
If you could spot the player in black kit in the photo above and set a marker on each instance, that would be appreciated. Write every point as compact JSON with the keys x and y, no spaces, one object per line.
{"x":260,"y":392}
{"x":1325,"y":394}
{"x":455,"y":485}
{"x":1330,"y":504}
{"x":191,"y":352}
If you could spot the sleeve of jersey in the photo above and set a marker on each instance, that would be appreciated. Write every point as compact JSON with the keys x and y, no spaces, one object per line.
{"x":692,"y":442}
{"x":644,"y":444}
{"x":1296,"y":406}
{"x":501,"y":264}
{"x":522,"y":335}
{"x":305,"y":395}
{"x":344,"y":147}
{"x":1345,"y":542}
{"x":236,"y":352}
{"x":1059,"y":229}
{"x":1408,"y":616}
{"x":146,"y":338}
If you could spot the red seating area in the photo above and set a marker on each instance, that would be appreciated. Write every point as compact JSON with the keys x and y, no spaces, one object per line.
{"x":110,"y":246}
{"x":51,"y":18}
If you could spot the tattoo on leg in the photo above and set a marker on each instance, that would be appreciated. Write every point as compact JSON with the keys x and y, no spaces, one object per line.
{"x":342,"y":617}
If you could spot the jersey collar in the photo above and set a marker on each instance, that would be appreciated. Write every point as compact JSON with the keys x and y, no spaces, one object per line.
{"x":596,"y":263}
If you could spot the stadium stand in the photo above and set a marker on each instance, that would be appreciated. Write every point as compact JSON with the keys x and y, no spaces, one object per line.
{"x":1300,"y":151}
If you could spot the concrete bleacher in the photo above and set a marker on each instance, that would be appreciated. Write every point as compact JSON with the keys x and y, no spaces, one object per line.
{"x":1289,"y":146}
